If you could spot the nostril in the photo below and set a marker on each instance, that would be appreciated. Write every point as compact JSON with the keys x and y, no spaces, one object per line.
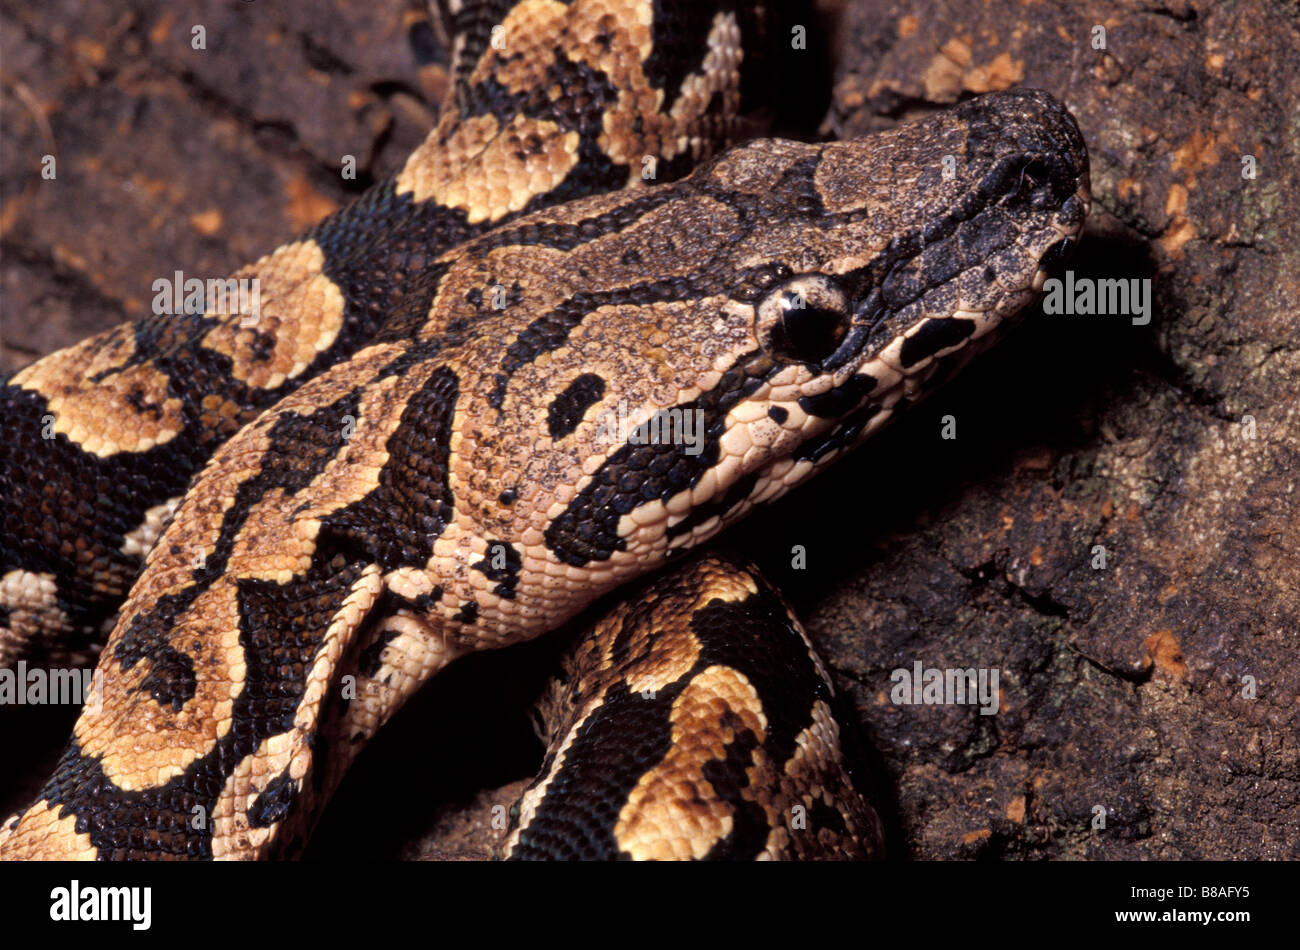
{"x":1042,"y":183}
{"x":1034,"y":174}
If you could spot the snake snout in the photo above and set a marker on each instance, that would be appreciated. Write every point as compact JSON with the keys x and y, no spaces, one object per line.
{"x":1037,"y":156}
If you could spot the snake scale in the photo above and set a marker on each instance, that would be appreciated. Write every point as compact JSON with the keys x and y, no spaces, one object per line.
{"x":286,"y":528}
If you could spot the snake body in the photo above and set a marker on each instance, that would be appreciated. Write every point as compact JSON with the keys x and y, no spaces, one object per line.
{"x":409,"y":458}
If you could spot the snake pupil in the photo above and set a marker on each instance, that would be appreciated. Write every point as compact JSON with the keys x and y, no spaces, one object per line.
{"x":806,"y":320}
{"x":808,"y":334}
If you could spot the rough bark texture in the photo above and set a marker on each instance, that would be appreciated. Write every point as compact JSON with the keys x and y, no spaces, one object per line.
{"x":1171,"y":445}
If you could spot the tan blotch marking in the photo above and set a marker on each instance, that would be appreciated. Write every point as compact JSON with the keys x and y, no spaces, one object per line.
{"x":41,"y":835}
{"x":33,"y":612}
{"x":142,"y":744}
{"x":300,"y":314}
{"x":140,"y":542}
{"x":477,"y":165}
{"x":99,"y":406}
{"x":673,"y":812}
{"x":489,"y":172}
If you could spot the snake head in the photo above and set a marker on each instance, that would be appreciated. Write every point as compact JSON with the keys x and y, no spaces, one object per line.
{"x":830,"y":284}
{"x":889,"y":261}
{"x":667,"y":359}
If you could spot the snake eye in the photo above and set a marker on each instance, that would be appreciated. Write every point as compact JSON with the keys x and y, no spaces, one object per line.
{"x":804,"y":319}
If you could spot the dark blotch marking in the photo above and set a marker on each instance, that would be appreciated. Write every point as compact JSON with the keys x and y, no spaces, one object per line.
{"x":841,"y":399}
{"x":843,"y":435}
{"x":728,"y":777}
{"x":397,"y":523}
{"x":170,"y":680}
{"x":642,"y":471}
{"x":371,"y":658}
{"x":679,"y":40}
{"x":822,"y":815}
{"x":778,"y":414}
{"x":425,"y":602}
{"x":566,"y":409}
{"x":274,"y":803}
{"x":622,"y":738}
{"x":468,"y":613}
{"x":507,"y":575}
{"x":700,"y":514}
{"x":933,"y":336}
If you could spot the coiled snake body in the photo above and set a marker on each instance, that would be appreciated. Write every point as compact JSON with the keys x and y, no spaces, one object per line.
{"x":409,"y":456}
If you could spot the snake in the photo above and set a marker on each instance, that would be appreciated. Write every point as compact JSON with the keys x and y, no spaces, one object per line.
{"x":588,"y":325}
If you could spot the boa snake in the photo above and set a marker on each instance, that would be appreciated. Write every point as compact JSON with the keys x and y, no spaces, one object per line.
{"x":407,"y":458}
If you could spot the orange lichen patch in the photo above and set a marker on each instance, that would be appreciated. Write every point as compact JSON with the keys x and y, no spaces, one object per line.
{"x":206,"y":222}
{"x":1107,"y":508}
{"x":1016,"y":809}
{"x":1200,"y":151}
{"x":1215,"y":61}
{"x":942,"y":78}
{"x":153,"y":187}
{"x":1036,"y":556}
{"x":1179,"y":232}
{"x":159,"y":32}
{"x":972,"y":836}
{"x":13,"y":211}
{"x":307,"y":205}
{"x":1168,"y":593}
{"x":1001,"y":73}
{"x":1165,"y":651}
{"x":1127,"y":188}
{"x":952,"y":71}
{"x":907,"y":25}
{"x":89,"y":51}
{"x":1176,"y":201}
